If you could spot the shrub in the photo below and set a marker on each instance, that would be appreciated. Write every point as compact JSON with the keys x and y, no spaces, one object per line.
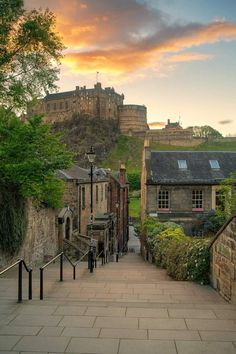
{"x":134,"y":181}
{"x":184,"y":257}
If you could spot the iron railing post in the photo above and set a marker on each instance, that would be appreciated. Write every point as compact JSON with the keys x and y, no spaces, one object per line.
{"x":30,"y":285}
{"x":20,"y":282}
{"x":74,"y":275}
{"x":61,"y":267}
{"x":41,"y":284}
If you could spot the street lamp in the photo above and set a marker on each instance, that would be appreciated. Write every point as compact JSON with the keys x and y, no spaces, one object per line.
{"x":91,"y":157}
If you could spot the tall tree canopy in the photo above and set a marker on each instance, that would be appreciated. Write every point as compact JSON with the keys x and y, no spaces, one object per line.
{"x":29,"y":157}
{"x":206,"y":132}
{"x":29,"y":50}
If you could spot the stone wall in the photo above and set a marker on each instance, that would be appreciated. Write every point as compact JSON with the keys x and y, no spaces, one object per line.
{"x":41,"y":239}
{"x":223,"y":261}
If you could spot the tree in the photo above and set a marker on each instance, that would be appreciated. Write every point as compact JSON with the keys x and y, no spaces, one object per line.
{"x":29,"y":50}
{"x":206,"y":132}
{"x":30,"y":155}
{"x":228,"y":195}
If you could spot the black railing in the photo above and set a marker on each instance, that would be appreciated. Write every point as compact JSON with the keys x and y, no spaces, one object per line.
{"x":100,"y":255}
{"x":20,"y":263}
{"x":61,"y":255}
{"x":74,"y":265}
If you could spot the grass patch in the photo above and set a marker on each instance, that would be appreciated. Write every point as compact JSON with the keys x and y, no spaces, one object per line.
{"x":134,"y":207}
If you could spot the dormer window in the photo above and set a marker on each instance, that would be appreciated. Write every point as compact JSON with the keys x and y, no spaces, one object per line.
{"x":214,"y":164}
{"x":182,"y":164}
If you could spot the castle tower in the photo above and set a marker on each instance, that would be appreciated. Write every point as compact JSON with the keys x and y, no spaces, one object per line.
{"x":133,"y":119}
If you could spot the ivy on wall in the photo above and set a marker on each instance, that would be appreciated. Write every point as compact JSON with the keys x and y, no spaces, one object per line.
{"x":12,"y":220}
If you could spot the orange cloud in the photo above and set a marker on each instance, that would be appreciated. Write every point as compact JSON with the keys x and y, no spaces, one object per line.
{"x":185,"y":57}
{"x":122,"y":36}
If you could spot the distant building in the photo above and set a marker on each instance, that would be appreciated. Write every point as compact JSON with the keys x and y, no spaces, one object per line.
{"x":182,"y":185}
{"x":94,"y":103}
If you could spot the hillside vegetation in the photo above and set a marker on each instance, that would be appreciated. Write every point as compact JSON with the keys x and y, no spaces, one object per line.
{"x":128,"y":150}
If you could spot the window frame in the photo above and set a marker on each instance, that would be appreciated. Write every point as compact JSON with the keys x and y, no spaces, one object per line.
{"x":163,"y":200}
{"x":197,"y":200}
{"x":83,"y":198}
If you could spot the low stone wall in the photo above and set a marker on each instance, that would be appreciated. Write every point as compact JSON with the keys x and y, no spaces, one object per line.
{"x":41,"y":239}
{"x":223,"y":262}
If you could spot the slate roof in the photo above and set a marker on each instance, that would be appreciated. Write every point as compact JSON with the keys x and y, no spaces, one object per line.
{"x":59,"y":95}
{"x":165,"y":169}
{"x":76,"y":172}
{"x":116,"y":176}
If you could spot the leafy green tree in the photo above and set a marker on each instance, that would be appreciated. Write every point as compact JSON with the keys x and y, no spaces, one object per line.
{"x":228,"y":193}
{"x":29,"y":50}
{"x":206,"y":132}
{"x":30,"y":155}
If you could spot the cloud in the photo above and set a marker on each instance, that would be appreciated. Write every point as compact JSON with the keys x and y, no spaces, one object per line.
{"x":185,"y":57}
{"x":226,"y":121}
{"x":122,"y":36}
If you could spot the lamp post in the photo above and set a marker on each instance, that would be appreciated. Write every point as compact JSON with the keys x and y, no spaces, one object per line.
{"x":91,"y":157}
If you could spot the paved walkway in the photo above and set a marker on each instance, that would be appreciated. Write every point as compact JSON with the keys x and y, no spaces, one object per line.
{"x":122,"y":308}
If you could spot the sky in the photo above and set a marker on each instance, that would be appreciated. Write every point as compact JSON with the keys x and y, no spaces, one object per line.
{"x":177,"y":57}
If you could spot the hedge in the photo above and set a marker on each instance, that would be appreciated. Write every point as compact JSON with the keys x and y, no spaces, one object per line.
{"x":184,"y":257}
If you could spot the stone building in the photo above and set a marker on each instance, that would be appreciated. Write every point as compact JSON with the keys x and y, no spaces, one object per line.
{"x":110,"y":206}
{"x":180,"y":186}
{"x":174,"y":134}
{"x":133,"y":119}
{"x":95,"y":102}
{"x":119,"y":206}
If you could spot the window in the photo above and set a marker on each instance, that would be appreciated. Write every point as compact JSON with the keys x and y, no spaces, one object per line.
{"x":61,"y":105}
{"x":55,"y":106}
{"x":102,"y":192}
{"x":83,"y":197}
{"x":197,"y":200}
{"x":96,"y":194}
{"x":48,"y":107}
{"x":106,"y":191}
{"x":66,"y":104}
{"x":163,"y":200}
{"x":182,"y":164}
{"x":214,"y":164}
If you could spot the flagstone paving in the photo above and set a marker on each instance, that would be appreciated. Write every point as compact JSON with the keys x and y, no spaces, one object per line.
{"x":121,"y":308}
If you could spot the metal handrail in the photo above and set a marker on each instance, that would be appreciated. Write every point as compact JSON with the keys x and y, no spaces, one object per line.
{"x":97,"y":256}
{"x":61,"y":256}
{"x":21,"y":262}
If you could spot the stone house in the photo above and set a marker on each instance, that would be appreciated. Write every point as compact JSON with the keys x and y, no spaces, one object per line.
{"x":180,"y":186}
{"x":110,"y":206}
{"x":119,"y":206}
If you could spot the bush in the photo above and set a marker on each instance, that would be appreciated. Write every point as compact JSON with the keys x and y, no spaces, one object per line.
{"x":184,"y":257}
{"x":134,"y":181}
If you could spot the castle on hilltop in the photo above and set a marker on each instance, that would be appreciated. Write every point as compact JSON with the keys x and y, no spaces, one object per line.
{"x":106,"y":103}
{"x":94,"y":103}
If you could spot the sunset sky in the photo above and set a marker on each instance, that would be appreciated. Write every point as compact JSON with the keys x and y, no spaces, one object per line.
{"x":177,"y":57}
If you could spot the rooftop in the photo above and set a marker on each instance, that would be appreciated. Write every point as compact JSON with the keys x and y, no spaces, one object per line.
{"x":191,"y":167}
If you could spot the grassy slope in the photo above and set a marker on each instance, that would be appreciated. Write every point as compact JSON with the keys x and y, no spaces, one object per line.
{"x":129,"y":151}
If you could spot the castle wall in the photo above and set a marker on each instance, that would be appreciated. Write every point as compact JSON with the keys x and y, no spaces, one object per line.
{"x":132,"y":118}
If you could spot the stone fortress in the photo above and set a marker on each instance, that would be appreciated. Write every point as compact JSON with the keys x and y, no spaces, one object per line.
{"x":106,"y":103}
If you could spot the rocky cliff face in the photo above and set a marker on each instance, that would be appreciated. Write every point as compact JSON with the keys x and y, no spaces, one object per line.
{"x":82,"y":132}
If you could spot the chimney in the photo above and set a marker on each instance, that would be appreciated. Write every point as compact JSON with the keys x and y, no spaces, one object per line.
{"x":122,"y":177}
